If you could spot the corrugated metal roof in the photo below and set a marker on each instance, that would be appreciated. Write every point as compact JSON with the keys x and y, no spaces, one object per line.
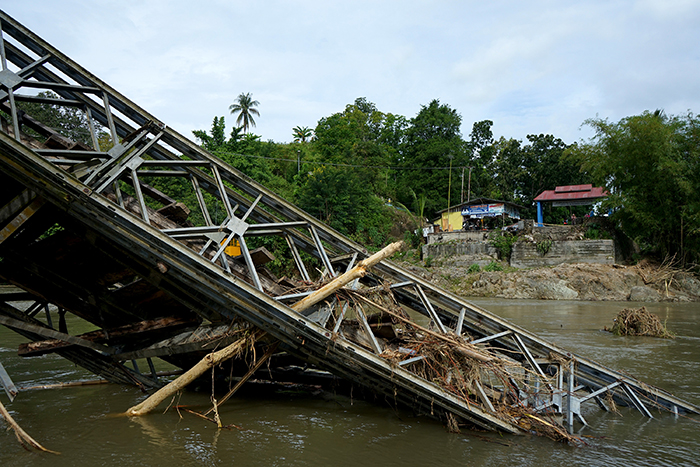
{"x":569,"y":192}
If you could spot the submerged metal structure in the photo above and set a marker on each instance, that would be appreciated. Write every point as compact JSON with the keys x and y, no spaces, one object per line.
{"x":150,"y":281}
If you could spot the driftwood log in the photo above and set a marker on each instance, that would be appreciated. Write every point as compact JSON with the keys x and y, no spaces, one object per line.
{"x":190,"y":375}
{"x":215,"y":358}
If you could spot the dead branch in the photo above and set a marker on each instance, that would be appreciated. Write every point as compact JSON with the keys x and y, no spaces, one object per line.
{"x":22,"y":436}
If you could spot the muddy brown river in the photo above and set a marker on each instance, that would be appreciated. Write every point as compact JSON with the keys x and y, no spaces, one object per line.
{"x":298,"y":428}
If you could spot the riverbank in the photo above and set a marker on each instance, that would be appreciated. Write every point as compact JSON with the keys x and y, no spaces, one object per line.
{"x":643,"y":282}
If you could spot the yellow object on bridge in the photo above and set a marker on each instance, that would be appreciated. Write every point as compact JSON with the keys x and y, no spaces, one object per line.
{"x":233,"y":248}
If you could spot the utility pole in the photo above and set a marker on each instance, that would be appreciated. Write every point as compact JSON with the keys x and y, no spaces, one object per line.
{"x":469,"y":187}
{"x":298,"y":161}
{"x":461,"y":198}
{"x":449,"y":185}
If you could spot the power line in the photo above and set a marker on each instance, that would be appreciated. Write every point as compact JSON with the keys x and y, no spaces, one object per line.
{"x":341,"y":165}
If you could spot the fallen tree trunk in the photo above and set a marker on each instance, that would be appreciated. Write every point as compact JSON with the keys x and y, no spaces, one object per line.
{"x":190,"y":375}
{"x":355,"y":273}
{"x":215,"y":358}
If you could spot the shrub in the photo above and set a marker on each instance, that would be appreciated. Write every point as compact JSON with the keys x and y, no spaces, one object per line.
{"x":413,"y":239}
{"x":473,"y":268}
{"x":493,"y":266}
{"x":544,"y":246}
{"x":593,"y":231}
{"x":503,"y":242}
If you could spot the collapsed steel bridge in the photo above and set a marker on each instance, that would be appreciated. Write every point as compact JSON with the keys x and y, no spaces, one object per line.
{"x":150,"y":281}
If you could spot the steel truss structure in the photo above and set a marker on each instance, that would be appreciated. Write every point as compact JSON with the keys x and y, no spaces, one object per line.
{"x":110,"y":251}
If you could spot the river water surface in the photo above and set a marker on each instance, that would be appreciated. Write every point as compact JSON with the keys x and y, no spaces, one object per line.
{"x":302,"y":429}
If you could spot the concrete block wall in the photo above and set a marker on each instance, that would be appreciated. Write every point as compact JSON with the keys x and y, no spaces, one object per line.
{"x":456,"y":236}
{"x":525,"y":254}
{"x":441,"y":250}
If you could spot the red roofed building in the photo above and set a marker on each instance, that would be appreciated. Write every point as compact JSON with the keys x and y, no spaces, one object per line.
{"x":569,"y":195}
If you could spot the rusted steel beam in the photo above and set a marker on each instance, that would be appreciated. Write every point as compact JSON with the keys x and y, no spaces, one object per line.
{"x":123,"y":335}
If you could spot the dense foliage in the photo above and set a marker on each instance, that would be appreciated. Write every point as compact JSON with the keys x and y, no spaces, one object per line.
{"x":650,"y":163}
{"x":361,"y":165}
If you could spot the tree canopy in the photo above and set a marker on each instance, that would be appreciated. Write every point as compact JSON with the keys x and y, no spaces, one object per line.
{"x":432,"y":143}
{"x":650,"y":163}
{"x":362,"y":163}
{"x":360,"y":167}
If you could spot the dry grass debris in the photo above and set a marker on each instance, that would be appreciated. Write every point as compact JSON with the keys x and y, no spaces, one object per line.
{"x":639,"y":322}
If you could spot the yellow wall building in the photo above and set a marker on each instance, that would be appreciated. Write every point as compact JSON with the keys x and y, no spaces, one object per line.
{"x":451,"y":220}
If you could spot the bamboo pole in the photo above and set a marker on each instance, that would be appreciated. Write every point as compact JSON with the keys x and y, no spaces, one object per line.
{"x":215,"y":358}
{"x":22,"y":435}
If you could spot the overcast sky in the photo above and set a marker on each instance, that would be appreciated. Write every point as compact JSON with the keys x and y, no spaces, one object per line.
{"x":530,"y":66}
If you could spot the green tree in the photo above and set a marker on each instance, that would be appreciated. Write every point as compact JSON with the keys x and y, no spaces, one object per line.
{"x":481,"y":151}
{"x":332,"y":197}
{"x":507,"y":170}
{"x":364,"y":138}
{"x":346,"y":204}
{"x":302,"y":134}
{"x":240,"y":151}
{"x":245,"y":108}
{"x":216,"y":141}
{"x":546,"y":167}
{"x":433,"y":142}
{"x":650,"y":163}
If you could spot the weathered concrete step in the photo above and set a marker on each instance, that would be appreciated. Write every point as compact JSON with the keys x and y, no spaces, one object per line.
{"x":551,"y":253}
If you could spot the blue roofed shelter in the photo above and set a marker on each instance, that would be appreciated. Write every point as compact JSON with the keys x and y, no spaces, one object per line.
{"x":569,"y":195}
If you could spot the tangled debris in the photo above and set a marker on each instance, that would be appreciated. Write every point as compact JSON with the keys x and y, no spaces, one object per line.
{"x":639,"y":322}
{"x":498,"y":384}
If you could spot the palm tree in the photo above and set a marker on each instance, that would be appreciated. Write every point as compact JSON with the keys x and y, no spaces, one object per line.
{"x":245,"y":108}
{"x":301,"y":134}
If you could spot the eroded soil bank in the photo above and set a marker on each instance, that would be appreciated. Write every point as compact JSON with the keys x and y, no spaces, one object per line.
{"x":639,"y":283}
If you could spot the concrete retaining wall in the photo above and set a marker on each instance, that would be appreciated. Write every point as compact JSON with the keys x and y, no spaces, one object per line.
{"x":441,"y":250}
{"x":525,"y":254}
{"x":457,"y":236}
